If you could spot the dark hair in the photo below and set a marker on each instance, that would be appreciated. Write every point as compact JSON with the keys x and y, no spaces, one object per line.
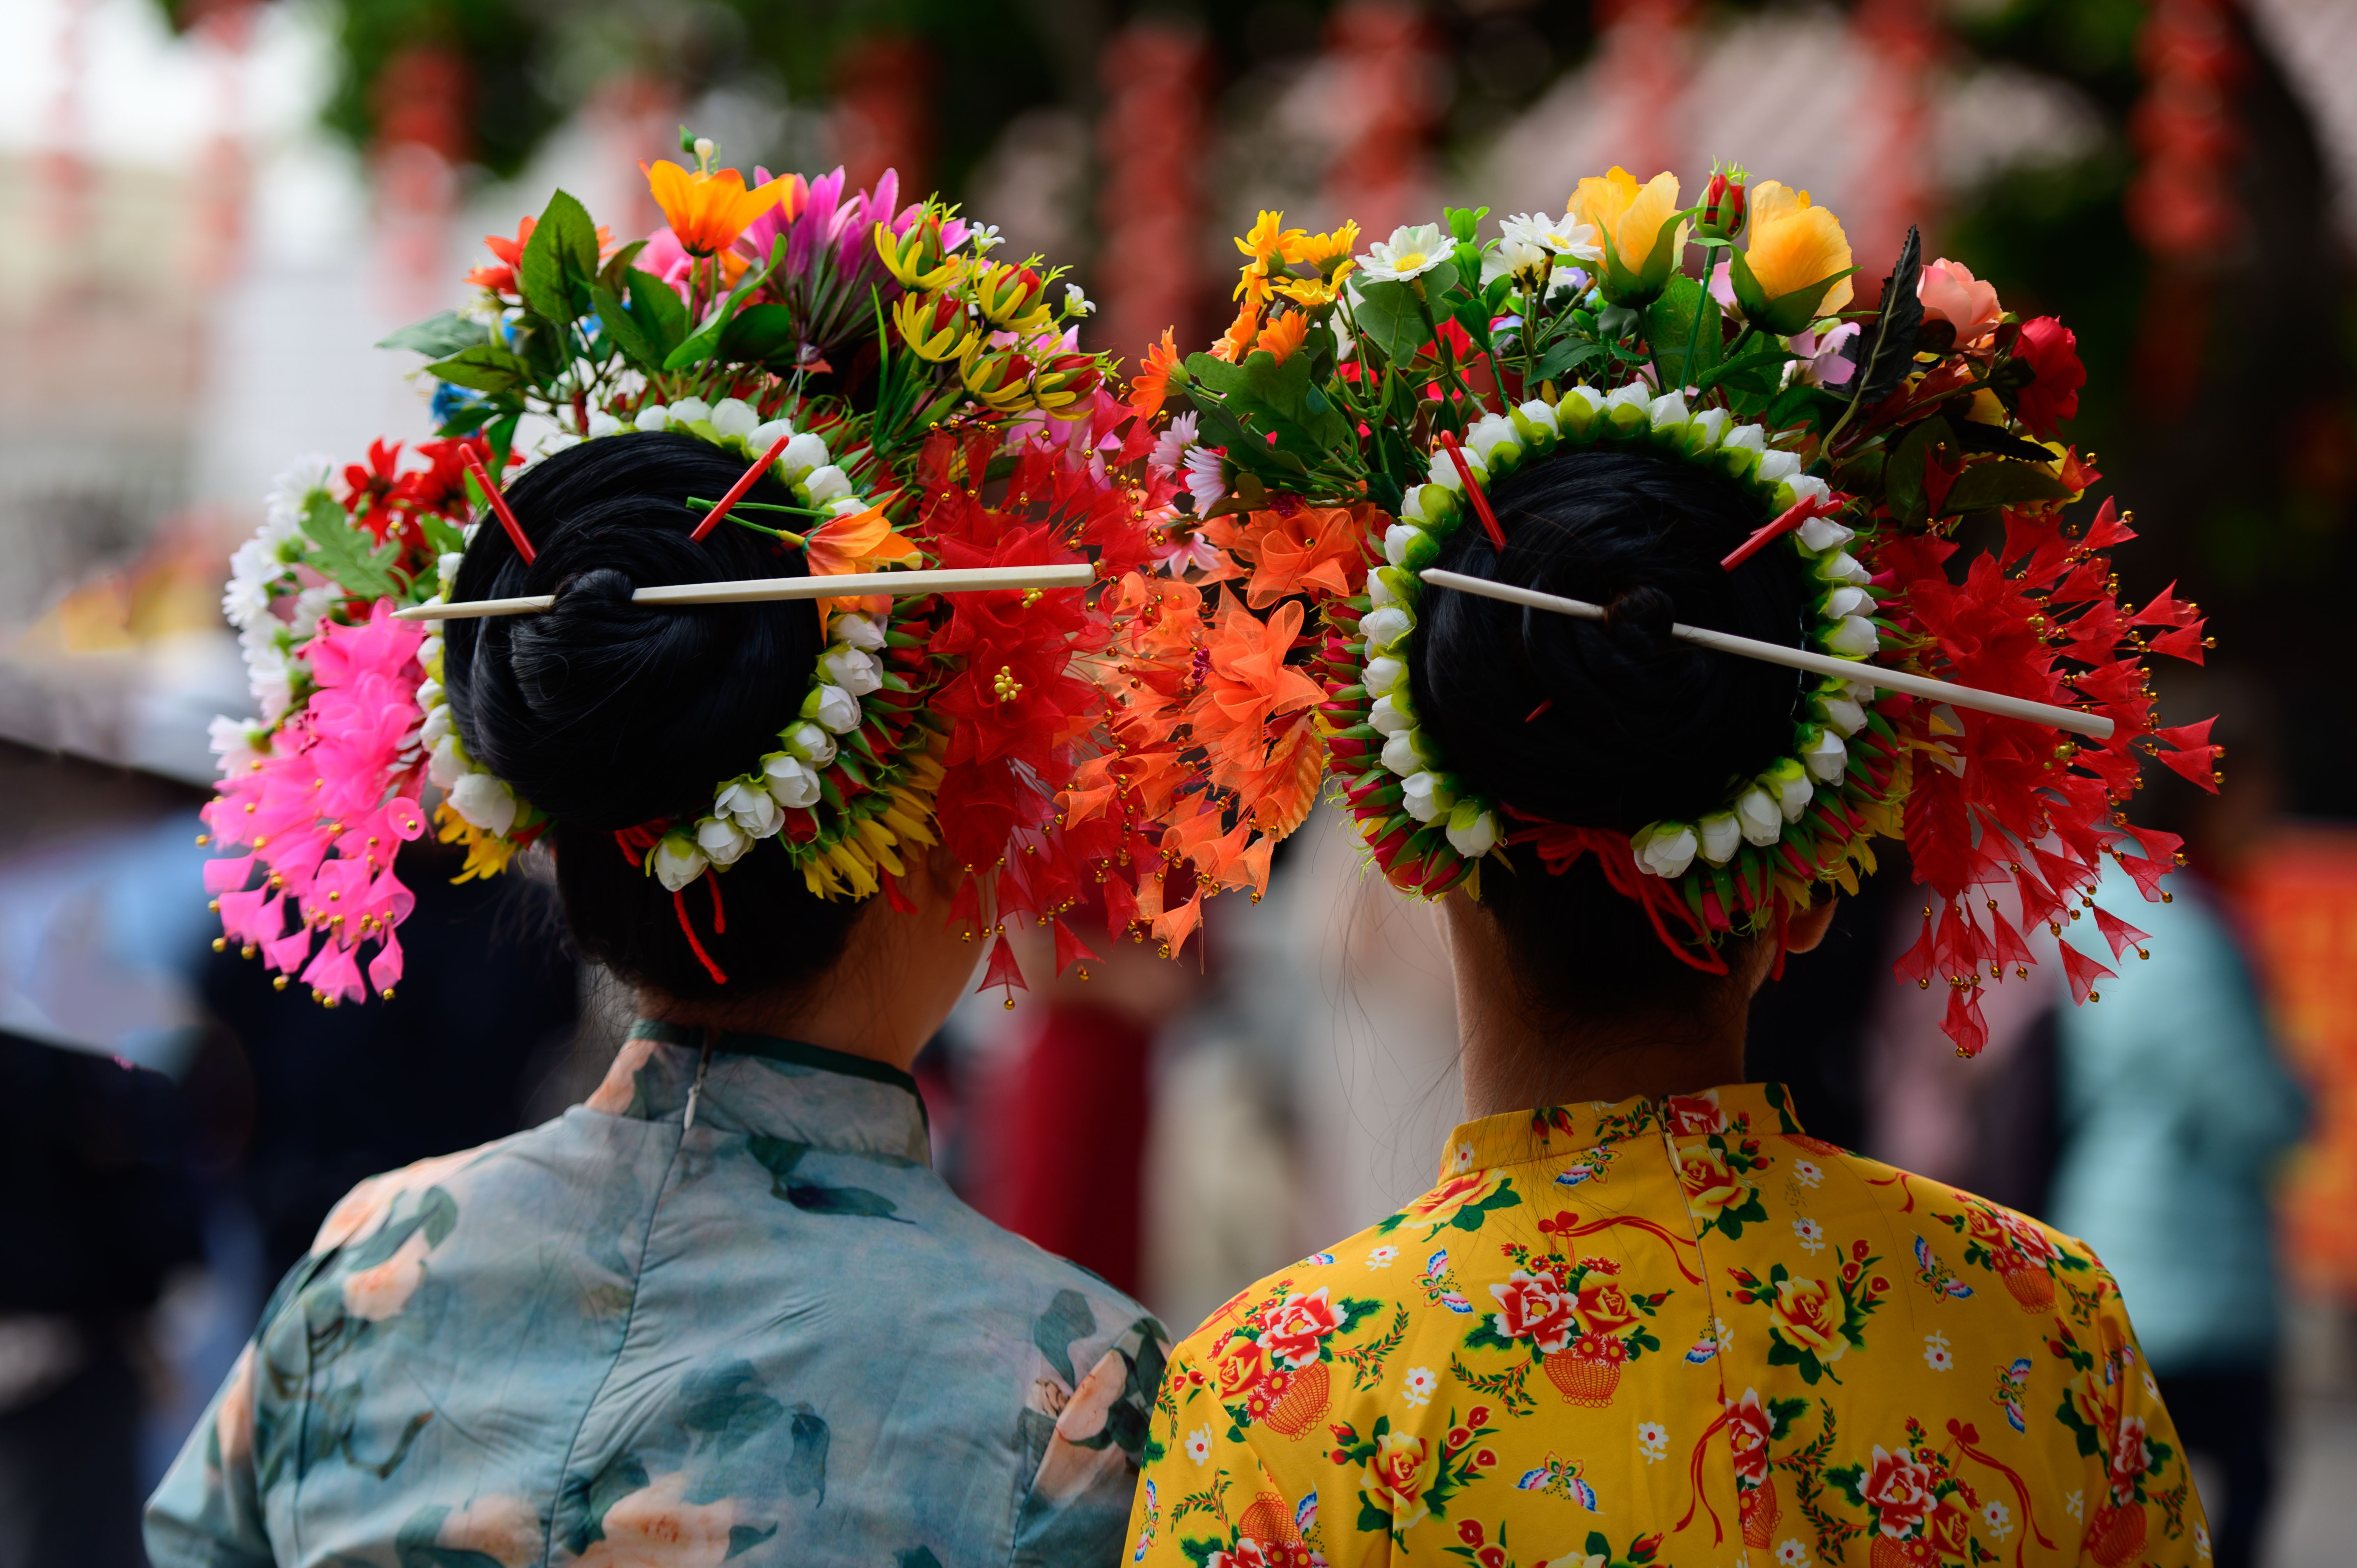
{"x":607,"y":713}
{"x":1636,"y":726}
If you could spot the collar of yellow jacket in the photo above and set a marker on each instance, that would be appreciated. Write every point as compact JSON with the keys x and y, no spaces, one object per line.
{"x":1557,"y":1131}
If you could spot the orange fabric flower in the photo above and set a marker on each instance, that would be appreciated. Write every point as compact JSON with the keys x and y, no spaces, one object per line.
{"x":1246,"y":682}
{"x":1152,"y":382}
{"x":1284,"y":335}
{"x":707,"y":211}
{"x":1315,"y":548}
{"x":1238,"y":340}
{"x":860,"y":542}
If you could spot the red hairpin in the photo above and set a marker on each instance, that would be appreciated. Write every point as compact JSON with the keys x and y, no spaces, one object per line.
{"x":1473,"y":489}
{"x":499,"y":504}
{"x":737,"y":491}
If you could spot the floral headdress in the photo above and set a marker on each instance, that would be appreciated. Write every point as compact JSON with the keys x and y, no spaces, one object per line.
{"x":881,"y":365}
{"x":1351,"y":418}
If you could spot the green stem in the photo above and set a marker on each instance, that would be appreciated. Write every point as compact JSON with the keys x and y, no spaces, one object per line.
{"x":1440,"y":345}
{"x":1694,"y":329}
{"x":698,"y":503}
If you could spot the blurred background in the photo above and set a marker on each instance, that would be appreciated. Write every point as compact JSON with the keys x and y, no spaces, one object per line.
{"x":212,"y":210}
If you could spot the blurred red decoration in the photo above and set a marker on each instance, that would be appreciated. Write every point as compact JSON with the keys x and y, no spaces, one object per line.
{"x":1387,"y":96}
{"x":882,"y":117}
{"x":1897,"y":187}
{"x":1644,"y":53}
{"x":636,"y":118}
{"x":1150,"y":273}
{"x":419,"y":102}
{"x":224,"y":172}
{"x":65,"y":170}
{"x":2181,"y":204}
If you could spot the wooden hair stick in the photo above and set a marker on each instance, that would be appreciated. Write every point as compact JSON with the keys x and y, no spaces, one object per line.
{"x":761,"y":590}
{"x":2094,"y":725}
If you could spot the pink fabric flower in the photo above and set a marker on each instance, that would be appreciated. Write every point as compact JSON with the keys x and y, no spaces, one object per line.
{"x":1951,"y":293}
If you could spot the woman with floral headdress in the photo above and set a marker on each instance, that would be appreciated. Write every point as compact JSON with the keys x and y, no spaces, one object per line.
{"x":1644,"y":1316}
{"x":725,"y":1310}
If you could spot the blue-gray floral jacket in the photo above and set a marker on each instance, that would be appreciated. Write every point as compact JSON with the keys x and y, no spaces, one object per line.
{"x":737,"y":1319}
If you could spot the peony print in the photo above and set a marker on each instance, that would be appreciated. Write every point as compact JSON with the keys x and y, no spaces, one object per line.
{"x":657,"y":1526}
{"x":1788,"y":1360}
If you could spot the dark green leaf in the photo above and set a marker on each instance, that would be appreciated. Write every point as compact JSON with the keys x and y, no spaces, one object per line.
{"x":1903,"y":479}
{"x":484,"y":368}
{"x":1069,"y":1318}
{"x":438,"y":335}
{"x":1888,"y":348}
{"x":1978,"y":437}
{"x":443,"y":535}
{"x":2002,"y":482}
{"x":743,"y":1538}
{"x":656,"y":307}
{"x":727,"y":1403}
{"x":615,"y":271}
{"x":1565,"y":355}
{"x":856,"y":1201}
{"x":439,"y":1211}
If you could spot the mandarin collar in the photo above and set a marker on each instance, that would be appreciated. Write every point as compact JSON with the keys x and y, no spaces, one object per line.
{"x":764,"y":1086}
{"x":1556,"y":1131}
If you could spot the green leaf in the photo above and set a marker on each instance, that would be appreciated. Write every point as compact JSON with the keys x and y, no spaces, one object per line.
{"x":1565,"y":355}
{"x":1671,"y":328}
{"x":763,"y":334}
{"x":616,"y":321}
{"x":1390,"y":316}
{"x":1756,"y":370}
{"x":484,"y":368}
{"x":615,"y":272}
{"x":2002,"y":482}
{"x":445,"y":536}
{"x":1068,"y":1319}
{"x":706,"y":341}
{"x":559,"y":262}
{"x":856,"y":1201}
{"x":438,"y":336}
{"x":1904,"y":479}
{"x":658,"y":309}
{"x":439,"y":1212}
{"x":343,"y":554}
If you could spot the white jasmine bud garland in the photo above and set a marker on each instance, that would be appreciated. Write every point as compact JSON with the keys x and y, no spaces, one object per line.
{"x":1789,"y":782}
{"x":735,"y":417}
{"x":805,"y":454}
{"x":677,"y":861}
{"x":722,"y":841}
{"x":1757,"y":812}
{"x":853,"y":670}
{"x":1841,"y":713}
{"x":1721,"y":835}
{"x":484,"y":800}
{"x":833,"y":707}
{"x":1390,"y":714}
{"x":1854,"y":636}
{"x":792,"y":782}
{"x":1385,"y":627}
{"x":688,"y":409}
{"x":1473,"y":830}
{"x":810,"y":743}
{"x":1665,"y":849}
{"x":1425,"y":796}
{"x":863,"y":632}
{"x":827,"y":484}
{"x":1825,"y":756}
{"x":1385,"y":674}
{"x":749,"y":804}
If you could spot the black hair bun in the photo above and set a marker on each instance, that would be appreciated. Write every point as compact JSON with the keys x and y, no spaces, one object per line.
{"x":1636,"y":726}
{"x":606,"y":712}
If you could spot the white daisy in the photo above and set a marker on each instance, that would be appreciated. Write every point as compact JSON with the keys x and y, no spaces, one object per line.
{"x":2077,"y":1503}
{"x":1999,"y":1519}
{"x":1419,"y":1385}
{"x":1811,"y":1234}
{"x":1460,"y":1159}
{"x":1936,"y":1354}
{"x":1793,"y":1554}
{"x":1198,"y":1445}
{"x":1566,"y":236}
{"x":1383,"y":1257}
{"x":1806,"y":1174}
{"x":1410,"y":253}
{"x":2202,"y":1541}
{"x":1653,"y":1438}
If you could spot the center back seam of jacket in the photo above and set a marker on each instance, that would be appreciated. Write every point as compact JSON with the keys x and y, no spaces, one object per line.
{"x":629,"y":1319}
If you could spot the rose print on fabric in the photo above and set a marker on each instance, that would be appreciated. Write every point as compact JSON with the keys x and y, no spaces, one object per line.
{"x":1405,"y":1477}
{"x":1273,"y":1367}
{"x":2020,"y":1255}
{"x":1814,"y":1323}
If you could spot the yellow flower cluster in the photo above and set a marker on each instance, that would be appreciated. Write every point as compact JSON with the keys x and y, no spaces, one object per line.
{"x":1272,"y":253}
{"x":851,"y":864}
{"x":992,"y":320}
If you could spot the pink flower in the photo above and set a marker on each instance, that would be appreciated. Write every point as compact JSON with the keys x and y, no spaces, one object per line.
{"x":1206,"y":478}
{"x":1194,"y":551}
{"x":2130,"y":1457}
{"x":1823,"y":363}
{"x":1951,"y":294}
{"x":657,"y":1526}
{"x":380,"y":1293}
{"x":1170,"y":447}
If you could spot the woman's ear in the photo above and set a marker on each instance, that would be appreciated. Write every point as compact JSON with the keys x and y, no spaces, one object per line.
{"x":1805,"y":930}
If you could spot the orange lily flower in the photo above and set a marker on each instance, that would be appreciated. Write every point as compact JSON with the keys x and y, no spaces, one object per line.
{"x":707,"y":211}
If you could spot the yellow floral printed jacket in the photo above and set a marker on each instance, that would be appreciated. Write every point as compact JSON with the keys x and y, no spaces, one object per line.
{"x":1684,"y":1334}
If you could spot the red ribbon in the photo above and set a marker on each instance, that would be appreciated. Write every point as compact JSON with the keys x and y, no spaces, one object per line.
{"x":634,"y":843}
{"x":499,"y":504}
{"x":737,"y":493}
{"x":1965,"y":1435}
{"x":1693,"y":1470}
{"x":1560,"y":846}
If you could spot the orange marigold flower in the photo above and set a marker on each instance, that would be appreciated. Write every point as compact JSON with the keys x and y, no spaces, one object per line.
{"x":1152,"y":382}
{"x":1284,"y":335}
{"x":1268,"y":239}
{"x":707,"y":211}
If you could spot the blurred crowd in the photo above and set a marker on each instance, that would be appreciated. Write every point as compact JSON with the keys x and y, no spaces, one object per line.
{"x":173,"y":1129}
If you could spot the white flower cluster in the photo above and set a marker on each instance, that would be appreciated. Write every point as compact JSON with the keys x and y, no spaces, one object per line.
{"x":261,"y":571}
{"x":1497,"y":444}
{"x":485,"y":799}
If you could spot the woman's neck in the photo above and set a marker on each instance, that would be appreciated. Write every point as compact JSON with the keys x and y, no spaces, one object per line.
{"x":1510,"y":1060}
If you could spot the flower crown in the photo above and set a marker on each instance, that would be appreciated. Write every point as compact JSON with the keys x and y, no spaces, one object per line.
{"x":1348,"y":420}
{"x":949,"y":719}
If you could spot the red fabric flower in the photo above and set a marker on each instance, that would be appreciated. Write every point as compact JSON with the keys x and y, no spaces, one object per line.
{"x":2051,"y":351}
